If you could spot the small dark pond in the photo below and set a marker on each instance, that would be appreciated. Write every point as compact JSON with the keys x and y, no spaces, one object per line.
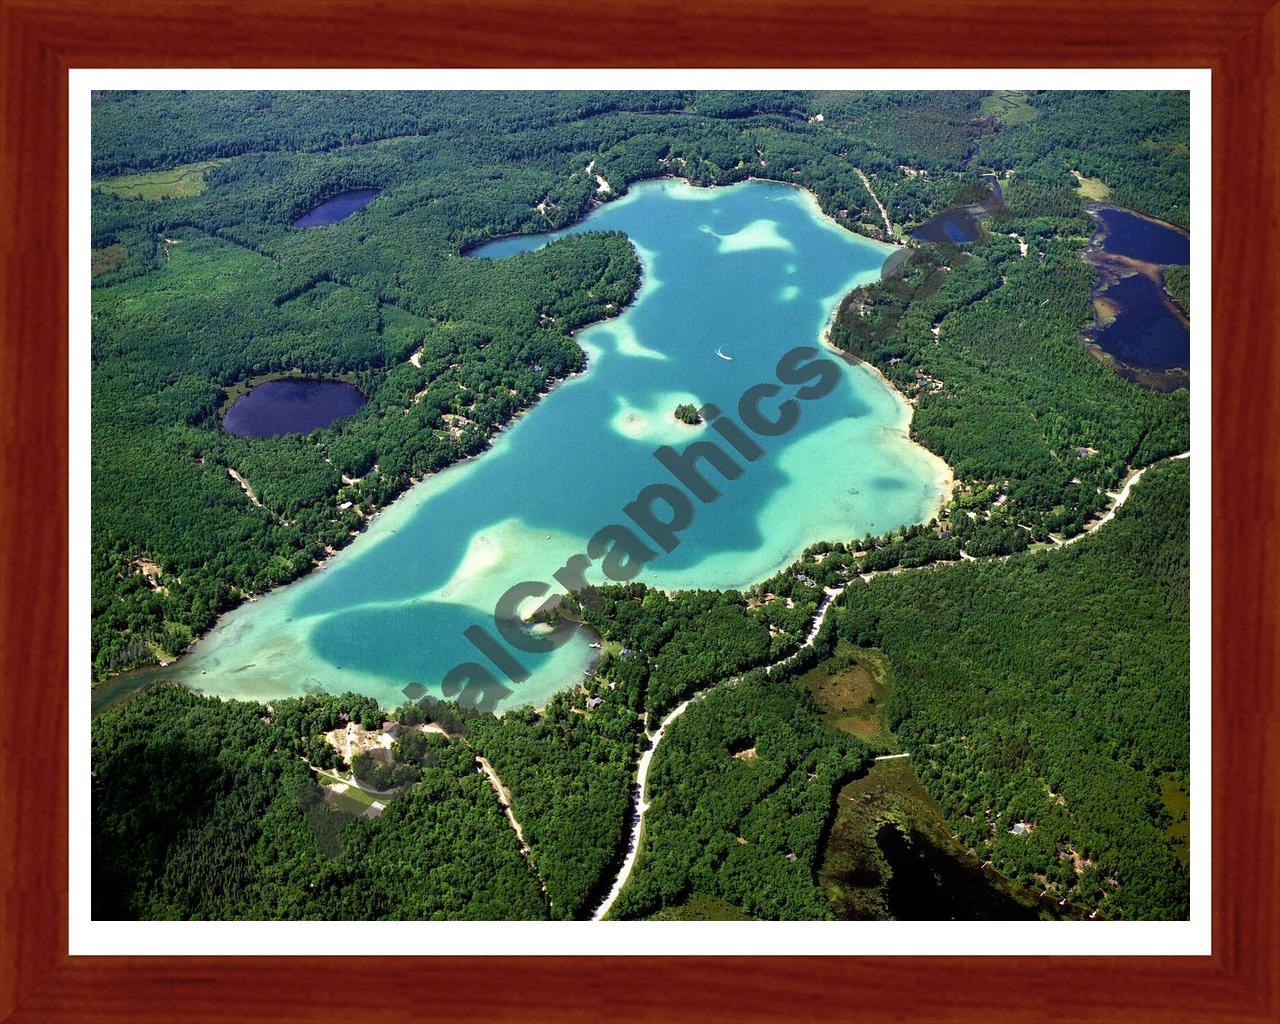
{"x":337,"y":208}
{"x":292,"y":406}
{"x":929,"y":885}
{"x":962,"y":223}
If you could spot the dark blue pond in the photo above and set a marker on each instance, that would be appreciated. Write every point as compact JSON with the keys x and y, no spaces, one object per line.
{"x":1127,"y":234}
{"x":294,"y":406}
{"x":962,"y":224}
{"x":337,"y":208}
{"x":1146,"y":332}
{"x":949,"y":226}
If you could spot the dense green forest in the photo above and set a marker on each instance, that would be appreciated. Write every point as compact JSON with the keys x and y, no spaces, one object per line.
{"x":205,"y":809}
{"x":1177,"y":282}
{"x":569,"y":770}
{"x":691,"y":639}
{"x":1052,"y":686}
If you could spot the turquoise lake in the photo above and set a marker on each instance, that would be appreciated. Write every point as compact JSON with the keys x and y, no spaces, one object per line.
{"x":754,"y":270}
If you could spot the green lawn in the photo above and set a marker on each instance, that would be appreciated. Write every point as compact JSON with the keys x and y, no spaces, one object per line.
{"x":1091,"y":188}
{"x":353,"y":800}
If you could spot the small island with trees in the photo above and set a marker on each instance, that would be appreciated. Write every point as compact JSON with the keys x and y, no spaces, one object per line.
{"x":686,"y":412}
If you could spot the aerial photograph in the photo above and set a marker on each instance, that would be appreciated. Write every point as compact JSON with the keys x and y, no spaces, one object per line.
{"x":666,"y":505}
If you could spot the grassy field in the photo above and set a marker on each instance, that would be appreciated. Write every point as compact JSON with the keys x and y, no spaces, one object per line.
{"x":108,"y":258}
{"x":185,"y":180}
{"x":850,"y":689}
{"x":1091,"y":188}
{"x":353,"y":800}
{"x":1009,"y":106}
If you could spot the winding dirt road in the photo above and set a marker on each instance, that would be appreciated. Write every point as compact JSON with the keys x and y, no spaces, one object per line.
{"x":888,"y":228}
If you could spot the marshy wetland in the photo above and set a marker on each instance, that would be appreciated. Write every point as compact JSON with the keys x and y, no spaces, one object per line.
{"x":888,"y":853}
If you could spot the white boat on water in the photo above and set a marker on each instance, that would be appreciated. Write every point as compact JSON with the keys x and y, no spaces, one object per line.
{"x":720,"y":353}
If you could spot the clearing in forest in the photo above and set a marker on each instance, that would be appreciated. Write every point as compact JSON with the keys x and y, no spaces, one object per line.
{"x":177,"y":182}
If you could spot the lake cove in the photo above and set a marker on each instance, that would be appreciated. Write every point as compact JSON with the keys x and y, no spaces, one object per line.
{"x":1140,"y":332}
{"x":733,"y":278}
{"x":291,"y":406}
{"x":1125,"y":233}
{"x":337,"y":208}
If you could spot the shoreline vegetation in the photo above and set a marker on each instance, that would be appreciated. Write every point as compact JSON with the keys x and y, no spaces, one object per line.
{"x":982,"y":348}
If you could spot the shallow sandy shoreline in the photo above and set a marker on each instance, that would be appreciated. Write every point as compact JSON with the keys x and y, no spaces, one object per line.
{"x":945,"y":477}
{"x":810,"y":197}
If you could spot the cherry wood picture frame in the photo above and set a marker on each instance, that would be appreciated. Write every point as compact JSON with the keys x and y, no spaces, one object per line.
{"x":41,"y":39}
